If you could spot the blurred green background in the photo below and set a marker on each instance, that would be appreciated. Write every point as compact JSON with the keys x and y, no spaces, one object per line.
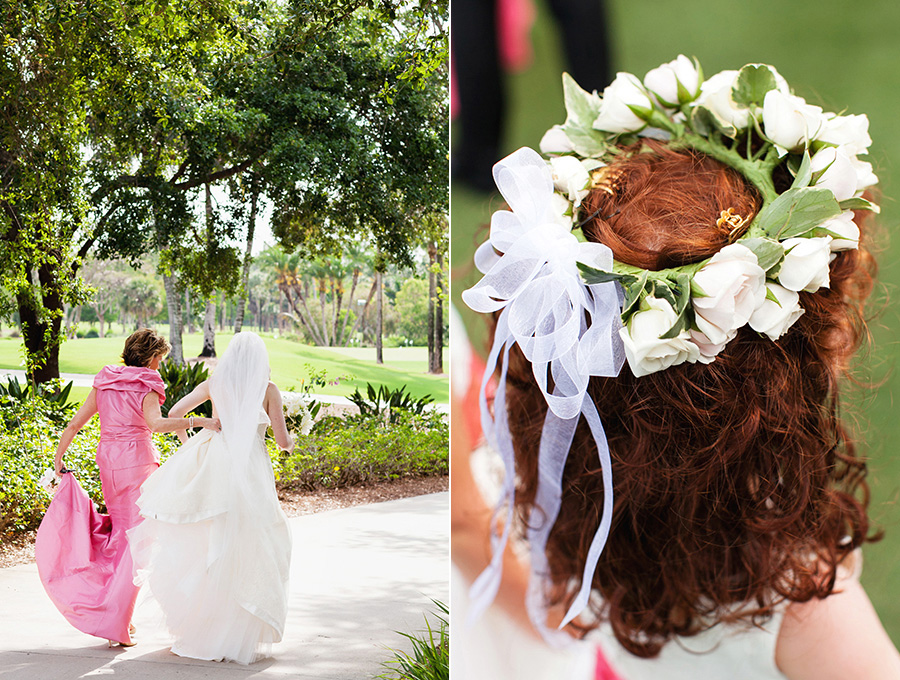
{"x":843,"y":56}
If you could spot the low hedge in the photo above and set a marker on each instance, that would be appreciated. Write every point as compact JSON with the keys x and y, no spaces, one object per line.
{"x":27,"y":450}
{"x":339,"y":452}
{"x":342,"y":452}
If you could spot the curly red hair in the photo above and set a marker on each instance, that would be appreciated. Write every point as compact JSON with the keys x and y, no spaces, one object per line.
{"x":736,"y":484}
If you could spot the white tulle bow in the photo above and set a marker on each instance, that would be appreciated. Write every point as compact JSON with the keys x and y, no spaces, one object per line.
{"x":567,"y":330}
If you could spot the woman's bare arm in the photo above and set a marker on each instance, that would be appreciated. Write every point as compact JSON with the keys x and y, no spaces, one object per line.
{"x":836,"y":638}
{"x":79,"y":420}
{"x":275,"y":411}
{"x":174,"y":423}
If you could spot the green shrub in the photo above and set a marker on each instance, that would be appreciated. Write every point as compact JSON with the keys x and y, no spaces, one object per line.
{"x":385,"y":404}
{"x":49,"y":400}
{"x":181,"y":380}
{"x":430,"y":657}
{"x":341,"y":452}
{"x":27,"y":450}
{"x":92,"y":333}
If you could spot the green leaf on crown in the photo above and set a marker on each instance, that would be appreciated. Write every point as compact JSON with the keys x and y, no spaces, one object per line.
{"x":768,"y":252}
{"x":663,"y":291}
{"x":633,"y":295}
{"x":752,"y":83}
{"x":682,"y":283}
{"x":771,"y":296}
{"x":588,"y":143}
{"x":797,"y":211}
{"x":590,"y":276}
{"x":582,"y":106}
{"x":582,"y":109}
{"x":704,"y":121}
{"x":859,"y":203}
{"x":803,"y":175}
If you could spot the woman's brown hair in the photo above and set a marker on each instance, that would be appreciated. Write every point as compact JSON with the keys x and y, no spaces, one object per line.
{"x":736,"y":484}
{"x":142,"y":345}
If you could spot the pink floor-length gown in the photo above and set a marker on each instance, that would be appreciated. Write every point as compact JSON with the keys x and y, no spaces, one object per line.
{"x":82,"y":556}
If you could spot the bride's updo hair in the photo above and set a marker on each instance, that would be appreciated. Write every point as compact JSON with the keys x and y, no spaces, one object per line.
{"x":737,"y":486}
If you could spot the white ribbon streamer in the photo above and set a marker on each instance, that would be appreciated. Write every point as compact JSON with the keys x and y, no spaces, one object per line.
{"x":566,"y":329}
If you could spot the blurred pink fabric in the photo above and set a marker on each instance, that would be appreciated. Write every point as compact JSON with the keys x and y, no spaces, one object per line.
{"x":82,"y":556}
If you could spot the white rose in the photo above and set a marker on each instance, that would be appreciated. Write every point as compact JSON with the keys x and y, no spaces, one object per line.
{"x":556,"y":141}
{"x":864,"y":175}
{"x":663,"y":81}
{"x":715,"y":95}
{"x":773,"y":318}
{"x":561,"y":210}
{"x":709,"y":349}
{"x":789,"y":121}
{"x":615,"y":112}
{"x":805,"y":265}
{"x":848,"y":132}
{"x":838,"y":172}
{"x":847,"y":232}
{"x":648,"y":353}
{"x":734,"y":285}
{"x":570,"y":177}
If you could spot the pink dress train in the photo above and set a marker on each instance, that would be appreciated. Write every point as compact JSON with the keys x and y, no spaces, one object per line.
{"x":82,"y":556}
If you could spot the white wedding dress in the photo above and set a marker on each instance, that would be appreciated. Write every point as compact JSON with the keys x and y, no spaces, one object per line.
{"x":214,"y":547}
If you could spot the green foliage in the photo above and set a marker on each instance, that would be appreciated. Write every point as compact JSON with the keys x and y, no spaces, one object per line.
{"x":27,"y":449}
{"x":47,"y":400}
{"x":181,"y":380}
{"x":342,"y":452}
{"x":430,"y":657}
{"x":386,"y":404}
{"x":411,"y":305}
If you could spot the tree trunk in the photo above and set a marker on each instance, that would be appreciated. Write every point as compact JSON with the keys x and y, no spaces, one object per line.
{"x":437,"y":366}
{"x":379,"y":319}
{"x":432,"y":293}
{"x":362,"y":314}
{"x":100,"y":312}
{"x":248,"y":256}
{"x":337,"y":301}
{"x":176,"y":320}
{"x":42,"y":339}
{"x":325,"y":340}
{"x":188,"y":313}
{"x":209,"y":330}
{"x":342,"y":339}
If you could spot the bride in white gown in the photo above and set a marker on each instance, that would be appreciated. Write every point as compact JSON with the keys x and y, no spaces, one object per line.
{"x":214,"y":547}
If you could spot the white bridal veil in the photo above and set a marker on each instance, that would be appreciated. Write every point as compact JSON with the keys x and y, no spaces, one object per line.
{"x":237,"y":388}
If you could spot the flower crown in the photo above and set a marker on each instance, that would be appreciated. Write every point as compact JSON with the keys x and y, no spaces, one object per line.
{"x":575,"y":312}
{"x":750,"y":121}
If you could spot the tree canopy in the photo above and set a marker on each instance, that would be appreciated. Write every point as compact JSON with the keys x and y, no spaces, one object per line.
{"x":115,"y":115}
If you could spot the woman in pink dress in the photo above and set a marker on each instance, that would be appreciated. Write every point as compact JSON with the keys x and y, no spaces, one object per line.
{"x":82,"y":556}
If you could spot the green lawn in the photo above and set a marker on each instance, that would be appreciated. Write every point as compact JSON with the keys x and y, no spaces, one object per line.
{"x":841,"y":55}
{"x":355,"y":367}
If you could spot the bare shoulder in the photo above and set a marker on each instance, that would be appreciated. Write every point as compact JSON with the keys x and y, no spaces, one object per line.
{"x":839,"y":636}
{"x":273,"y":396}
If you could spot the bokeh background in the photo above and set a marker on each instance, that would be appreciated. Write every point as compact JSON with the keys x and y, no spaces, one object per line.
{"x":843,"y":56}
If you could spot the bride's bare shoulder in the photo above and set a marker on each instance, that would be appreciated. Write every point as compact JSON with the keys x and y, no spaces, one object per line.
{"x":273,"y":396}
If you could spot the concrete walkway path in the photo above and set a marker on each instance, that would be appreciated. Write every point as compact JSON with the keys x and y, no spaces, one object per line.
{"x":357,"y":575}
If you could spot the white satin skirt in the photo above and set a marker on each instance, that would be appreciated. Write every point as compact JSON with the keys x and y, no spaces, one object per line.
{"x":214,"y":549}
